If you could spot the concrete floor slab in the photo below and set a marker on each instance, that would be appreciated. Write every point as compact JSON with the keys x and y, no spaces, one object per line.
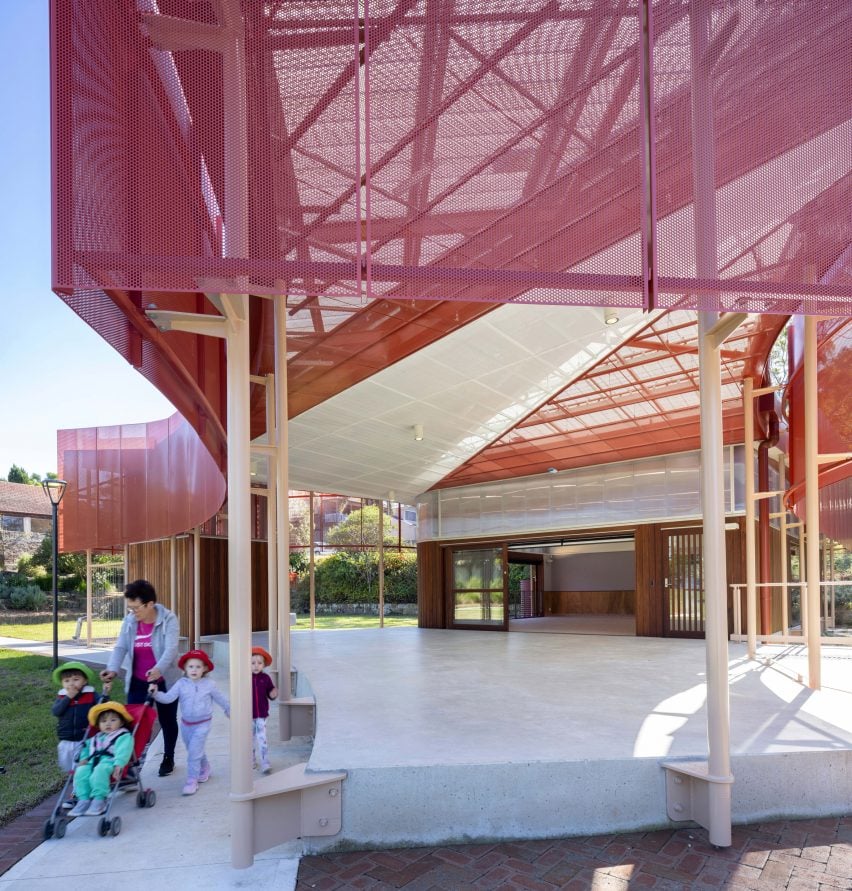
{"x":452,"y":736}
{"x":463,"y":735}
{"x":425,"y":697}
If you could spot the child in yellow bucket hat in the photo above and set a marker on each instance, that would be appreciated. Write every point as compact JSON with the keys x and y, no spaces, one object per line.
{"x":103,"y":757}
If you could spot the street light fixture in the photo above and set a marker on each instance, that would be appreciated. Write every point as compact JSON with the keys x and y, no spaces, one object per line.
{"x":55,"y":489}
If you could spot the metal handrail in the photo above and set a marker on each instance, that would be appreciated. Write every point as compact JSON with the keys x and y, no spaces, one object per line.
{"x":787,"y":634}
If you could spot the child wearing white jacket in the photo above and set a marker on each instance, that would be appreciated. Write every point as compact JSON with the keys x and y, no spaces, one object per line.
{"x":195,"y":693}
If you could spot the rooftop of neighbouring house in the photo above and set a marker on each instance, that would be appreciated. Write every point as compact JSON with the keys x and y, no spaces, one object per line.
{"x":19,"y":499}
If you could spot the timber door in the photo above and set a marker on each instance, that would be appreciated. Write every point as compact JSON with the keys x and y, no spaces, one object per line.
{"x":683,"y":607}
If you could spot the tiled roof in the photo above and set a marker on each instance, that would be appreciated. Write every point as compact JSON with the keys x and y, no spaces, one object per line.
{"x":28,"y":501}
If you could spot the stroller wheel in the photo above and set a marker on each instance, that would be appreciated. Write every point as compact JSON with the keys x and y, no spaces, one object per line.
{"x":48,"y":829}
{"x":140,"y":799}
{"x":115,"y":826}
{"x":103,"y":827}
{"x":59,"y":828}
{"x":150,"y":798}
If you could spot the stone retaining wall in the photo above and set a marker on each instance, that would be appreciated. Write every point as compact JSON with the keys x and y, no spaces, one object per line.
{"x":366,"y":609}
{"x":14,"y":545}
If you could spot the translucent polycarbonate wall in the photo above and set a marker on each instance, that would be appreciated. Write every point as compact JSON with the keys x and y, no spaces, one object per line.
{"x":642,"y":491}
{"x":340,"y":522}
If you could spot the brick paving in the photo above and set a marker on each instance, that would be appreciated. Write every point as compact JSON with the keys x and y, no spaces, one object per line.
{"x":795,"y":855}
{"x":20,"y":836}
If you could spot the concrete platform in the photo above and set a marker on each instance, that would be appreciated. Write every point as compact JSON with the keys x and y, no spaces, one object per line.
{"x":461,"y":736}
{"x":452,"y":736}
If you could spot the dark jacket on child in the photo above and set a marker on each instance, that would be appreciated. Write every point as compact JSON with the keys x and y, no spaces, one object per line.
{"x":73,"y":713}
{"x":261,"y":684}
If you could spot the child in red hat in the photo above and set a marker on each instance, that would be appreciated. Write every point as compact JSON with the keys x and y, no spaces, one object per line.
{"x":195,"y":693}
{"x":262,"y":690}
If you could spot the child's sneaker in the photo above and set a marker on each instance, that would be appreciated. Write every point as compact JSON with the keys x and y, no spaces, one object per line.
{"x":190,"y":787}
{"x":266,"y":770}
{"x":80,"y":808}
{"x":97,"y":807}
{"x":69,"y":804}
{"x":205,"y":773}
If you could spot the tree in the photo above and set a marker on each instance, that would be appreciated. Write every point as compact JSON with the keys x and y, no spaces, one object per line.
{"x":19,"y":475}
{"x":778,"y":366}
{"x":361,"y":528}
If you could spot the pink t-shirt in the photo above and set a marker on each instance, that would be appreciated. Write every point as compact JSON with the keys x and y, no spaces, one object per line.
{"x":143,"y":656}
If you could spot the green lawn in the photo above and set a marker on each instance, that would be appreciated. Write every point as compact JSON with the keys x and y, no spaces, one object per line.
{"x":43,"y":630}
{"x":108,"y":629}
{"x":327,"y":623}
{"x":28,"y":736}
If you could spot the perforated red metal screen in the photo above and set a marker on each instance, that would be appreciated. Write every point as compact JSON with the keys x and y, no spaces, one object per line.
{"x":453,"y":149}
{"x":409,"y":164}
{"x":134,"y":482}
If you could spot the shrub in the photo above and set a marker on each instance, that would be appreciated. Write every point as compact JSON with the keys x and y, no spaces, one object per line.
{"x":400,"y":578}
{"x":30,"y":597}
{"x":12,"y":580}
{"x":299,"y":563}
{"x":353,"y":577}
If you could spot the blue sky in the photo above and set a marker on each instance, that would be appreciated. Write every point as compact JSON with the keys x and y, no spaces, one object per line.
{"x":55,"y":372}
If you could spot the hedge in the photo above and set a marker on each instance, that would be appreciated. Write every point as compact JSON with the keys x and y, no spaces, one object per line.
{"x":352,"y":577}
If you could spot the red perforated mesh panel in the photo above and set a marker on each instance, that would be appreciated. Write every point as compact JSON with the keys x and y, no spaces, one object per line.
{"x":465,"y":150}
{"x":479,"y":134}
{"x":777,"y":143}
{"x":135,"y":482}
{"x":641,"y":400}
{"x":408,"y":169}
{"x":834,"y":419}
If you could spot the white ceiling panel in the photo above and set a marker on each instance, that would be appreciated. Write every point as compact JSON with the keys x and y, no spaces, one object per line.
{"x":465,"y":390}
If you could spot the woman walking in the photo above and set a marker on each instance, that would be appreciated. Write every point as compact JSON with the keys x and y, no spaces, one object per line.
{"x":147,"y":650}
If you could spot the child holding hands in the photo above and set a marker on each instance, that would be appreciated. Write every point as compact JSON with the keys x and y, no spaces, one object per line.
{"x":262,"y":690}
{"x":195,"y":693}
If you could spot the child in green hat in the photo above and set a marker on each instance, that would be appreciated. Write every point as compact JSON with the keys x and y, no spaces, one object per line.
{"x":71,"y":708}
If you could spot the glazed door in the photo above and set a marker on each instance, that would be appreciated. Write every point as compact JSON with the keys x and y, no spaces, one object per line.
{"x":478,"y":589}
{"x":683,"y":612}
{"x":526,"y":586}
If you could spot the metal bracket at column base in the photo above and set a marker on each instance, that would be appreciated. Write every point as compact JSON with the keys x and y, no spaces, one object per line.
{"x":296,"y":717}
{"x":291,"y":804}
{"x":693,"y":793}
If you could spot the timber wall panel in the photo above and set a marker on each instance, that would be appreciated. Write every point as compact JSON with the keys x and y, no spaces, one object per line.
{"x":776,"y":556}
{"x":259,"y":587}
{"x":649,"y":590}
{"x":431,"y":612}
{"x":734,"y":565}
{"x":152,"y":560}
{"x":214,"y":587}
{"x":568,"y":603}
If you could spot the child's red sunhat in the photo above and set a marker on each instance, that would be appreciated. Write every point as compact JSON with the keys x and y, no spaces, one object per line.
{"x":195,"y":654}
{"x":259,"y":651}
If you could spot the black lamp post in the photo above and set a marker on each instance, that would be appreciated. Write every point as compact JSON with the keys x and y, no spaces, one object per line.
{"x":55,"y":489}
